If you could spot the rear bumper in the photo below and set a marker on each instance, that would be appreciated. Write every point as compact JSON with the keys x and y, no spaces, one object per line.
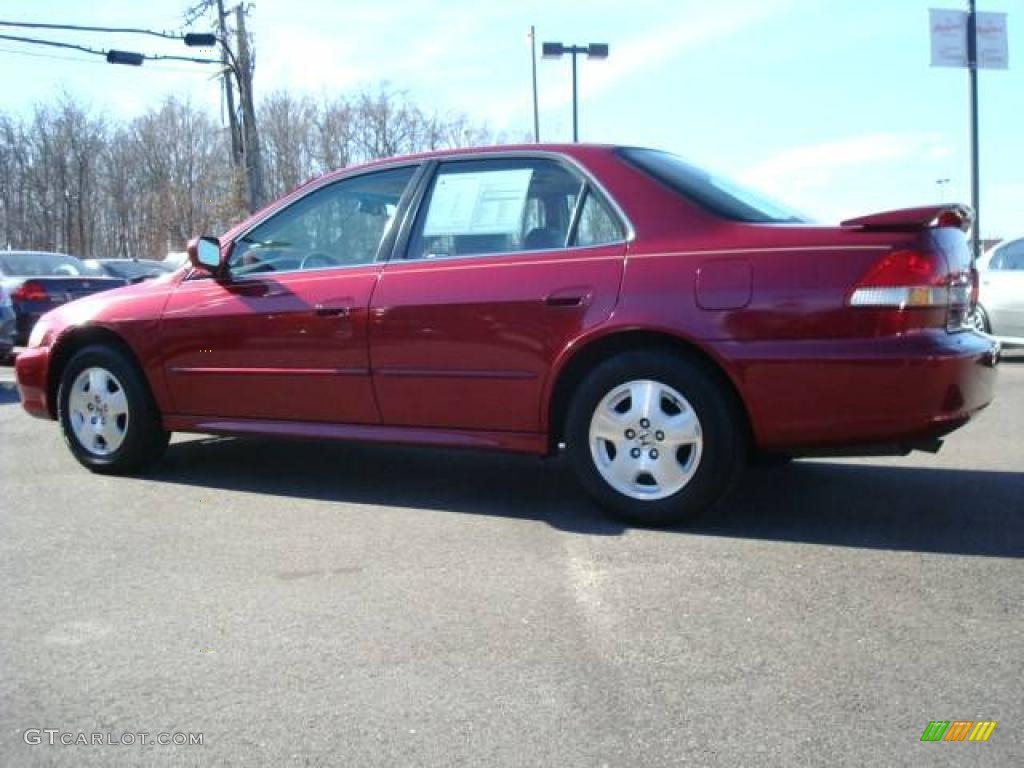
{"x":26,"y":320}
{"x":31,"y":367}
{"x":810,"y":395}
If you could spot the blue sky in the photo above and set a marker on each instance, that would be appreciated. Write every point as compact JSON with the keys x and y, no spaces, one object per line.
{"x":830,"y":105}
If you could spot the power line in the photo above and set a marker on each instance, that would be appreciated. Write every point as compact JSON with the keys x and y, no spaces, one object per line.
{"x":79,"y":28}
{"x":81,"y":59}
{"x":54,"y":43}
{"x":97,"y":52}
{"x":85,"y":60}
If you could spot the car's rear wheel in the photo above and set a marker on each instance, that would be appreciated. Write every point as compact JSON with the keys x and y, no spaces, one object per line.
{"x":979,"y":320}
{"x":655,"y":438}
{"x":106,"y":412}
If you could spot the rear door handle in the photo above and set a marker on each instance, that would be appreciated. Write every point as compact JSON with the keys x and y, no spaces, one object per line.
{"x":567,"y":297}
{"x":323,"y":311}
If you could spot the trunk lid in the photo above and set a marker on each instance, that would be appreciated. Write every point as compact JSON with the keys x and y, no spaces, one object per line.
{"x":54,"y":291}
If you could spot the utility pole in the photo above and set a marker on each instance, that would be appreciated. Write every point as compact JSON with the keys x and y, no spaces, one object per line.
{"x":229,"y":89}
{"x":972,"y":70}
{"x":250,"y":136}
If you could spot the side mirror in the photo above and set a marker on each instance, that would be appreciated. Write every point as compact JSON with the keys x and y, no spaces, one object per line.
{"x":204,"y":253}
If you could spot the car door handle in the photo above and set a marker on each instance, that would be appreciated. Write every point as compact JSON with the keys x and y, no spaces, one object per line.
{"x":568,"y":297}
{"x":322,"y":311}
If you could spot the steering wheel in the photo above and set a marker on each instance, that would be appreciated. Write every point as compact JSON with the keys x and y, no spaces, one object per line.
{"x":318,"y":259}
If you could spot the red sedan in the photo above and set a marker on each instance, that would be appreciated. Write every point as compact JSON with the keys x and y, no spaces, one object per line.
{"x":657,"y":323}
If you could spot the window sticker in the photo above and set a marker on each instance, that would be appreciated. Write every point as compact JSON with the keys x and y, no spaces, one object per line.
{"x":484,"y":203}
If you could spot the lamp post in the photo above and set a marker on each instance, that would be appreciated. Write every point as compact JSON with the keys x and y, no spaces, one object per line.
{"x":556,"y":51}
{"x":533,"y":71}
{"x":972,"y":69}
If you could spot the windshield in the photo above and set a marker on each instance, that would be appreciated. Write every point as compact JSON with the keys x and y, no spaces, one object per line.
{"x":17,"y":264}
{"x":715,"y":193}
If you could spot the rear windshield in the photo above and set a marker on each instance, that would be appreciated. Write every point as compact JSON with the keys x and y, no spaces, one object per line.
{"x":717,"y":194}
{"x":132,"y":269}
{"x":45,"y":265}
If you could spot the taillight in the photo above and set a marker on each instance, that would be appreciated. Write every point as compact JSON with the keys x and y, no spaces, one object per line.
{"x":903,"y":279}
{"x":30,"y":291}
{"x":907,"y":279}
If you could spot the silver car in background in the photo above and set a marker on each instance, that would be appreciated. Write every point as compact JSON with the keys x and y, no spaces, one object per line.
{"x":1001,"y":296}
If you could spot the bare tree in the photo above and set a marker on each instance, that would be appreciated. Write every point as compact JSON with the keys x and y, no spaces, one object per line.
{"x":74,"y":181}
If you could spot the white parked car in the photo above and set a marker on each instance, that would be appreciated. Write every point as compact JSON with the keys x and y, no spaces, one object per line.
{"x":1001,"y":298}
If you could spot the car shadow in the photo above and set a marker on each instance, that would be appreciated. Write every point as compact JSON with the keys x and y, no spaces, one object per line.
{"x":877,"y":506}
{"x":429,"y":478}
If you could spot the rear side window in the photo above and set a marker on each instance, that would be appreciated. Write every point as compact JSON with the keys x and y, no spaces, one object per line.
{"x":1009,"y":257}
{"x":715,"y":193}
{"x":597,"y":224}
{"x":480,"y":207}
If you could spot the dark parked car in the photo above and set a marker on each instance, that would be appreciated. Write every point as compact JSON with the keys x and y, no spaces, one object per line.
{"x":132,"y":270}
{"x":654,"y":320}
{"x":6,"y":325}
{"x":38,"y":281}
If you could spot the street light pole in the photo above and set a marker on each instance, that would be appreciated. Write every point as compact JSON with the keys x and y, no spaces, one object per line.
{"x":972,"y":70}
{"x":533,"y":65}
{"x":575,"y":104}
{"x":593,"y":51}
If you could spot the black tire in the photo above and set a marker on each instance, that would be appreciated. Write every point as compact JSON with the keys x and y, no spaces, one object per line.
{"x":979,"y":320}
{"x":723,"y":431}
{"x":144,"y":439}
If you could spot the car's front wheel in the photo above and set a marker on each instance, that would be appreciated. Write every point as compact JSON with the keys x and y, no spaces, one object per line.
{"x":655,"y":437}
{"x":106,"y":413}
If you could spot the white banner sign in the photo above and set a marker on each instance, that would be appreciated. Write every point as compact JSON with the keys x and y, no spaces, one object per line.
{"x":993,"y":51}
{"x":949,"y":39}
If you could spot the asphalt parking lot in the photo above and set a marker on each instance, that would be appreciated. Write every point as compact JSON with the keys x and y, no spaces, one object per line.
{"x":321,"y":605}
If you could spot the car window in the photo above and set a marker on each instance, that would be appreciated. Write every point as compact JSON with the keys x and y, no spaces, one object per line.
{"x":29,"y":264}
{"x":597,"y":224}
{"x":341,"y":224}
{"x":716,"y":193}
{"x":1009,"y":256}
{"x":496,"y":206}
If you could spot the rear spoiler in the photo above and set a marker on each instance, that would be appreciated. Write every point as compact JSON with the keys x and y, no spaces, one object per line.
{"x":953,"y":215}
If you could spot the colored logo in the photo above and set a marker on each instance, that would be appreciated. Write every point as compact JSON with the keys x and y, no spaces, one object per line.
{"x":958,"y":730}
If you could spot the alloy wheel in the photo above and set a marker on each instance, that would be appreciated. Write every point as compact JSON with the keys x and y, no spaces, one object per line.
{"x":98,"y":411}
{"x":646,"y":439}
